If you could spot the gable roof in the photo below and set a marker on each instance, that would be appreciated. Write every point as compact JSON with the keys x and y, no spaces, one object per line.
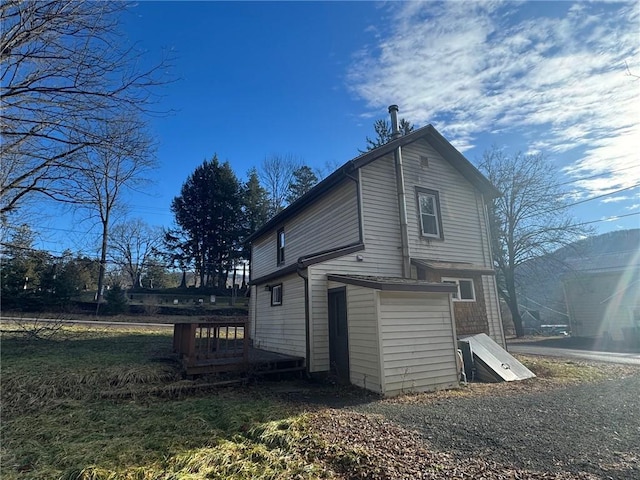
{"x":428,"y":132}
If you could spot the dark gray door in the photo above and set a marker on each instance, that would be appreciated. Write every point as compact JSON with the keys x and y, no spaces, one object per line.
{"x":338,"y":334}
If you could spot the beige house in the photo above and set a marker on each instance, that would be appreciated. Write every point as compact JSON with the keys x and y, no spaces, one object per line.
{"x":603,"y":296}
{"x":372,"y":274}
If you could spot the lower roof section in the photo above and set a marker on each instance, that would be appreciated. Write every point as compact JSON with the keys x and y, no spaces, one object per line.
{"x":394,"y":284}
{"x":457,"y":267}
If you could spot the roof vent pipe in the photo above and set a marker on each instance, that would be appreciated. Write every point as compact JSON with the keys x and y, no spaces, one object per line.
{"x":395,"y":131}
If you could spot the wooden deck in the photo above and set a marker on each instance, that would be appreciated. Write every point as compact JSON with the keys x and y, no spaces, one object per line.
{"x":221,"y":346}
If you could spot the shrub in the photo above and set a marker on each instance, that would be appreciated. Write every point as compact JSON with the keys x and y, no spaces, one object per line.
{"x":116,"y":301}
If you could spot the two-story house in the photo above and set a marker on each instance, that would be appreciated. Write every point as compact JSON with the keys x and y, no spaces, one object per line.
{"x":374,"y":273}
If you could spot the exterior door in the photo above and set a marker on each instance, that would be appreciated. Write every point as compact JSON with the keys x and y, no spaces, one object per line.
{"x":338,"y":334}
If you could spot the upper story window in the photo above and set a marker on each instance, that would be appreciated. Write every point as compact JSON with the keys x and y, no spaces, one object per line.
{"x":429,"y":211}
{"x":280,"y":252}
{"x":466,"y":291}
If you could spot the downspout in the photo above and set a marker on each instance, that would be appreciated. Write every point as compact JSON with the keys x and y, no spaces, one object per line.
{"x":253,"y":298}
{"x":359,"y":203}
{"x":402,"y":200}
{"x":303,"y":273}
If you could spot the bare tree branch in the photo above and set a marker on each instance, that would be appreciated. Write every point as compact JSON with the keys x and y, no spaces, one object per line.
{"x":529,"y":220}
{"x":276,"y":174}
{"x":104,"y":173}
{"x":132,"y":246}
{"x":64,"y":69}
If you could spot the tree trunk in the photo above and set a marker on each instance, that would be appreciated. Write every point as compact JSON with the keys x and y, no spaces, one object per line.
{"x":512,"y":302}
{"x":517,"y":319}
{"x":233,"y":278}
{"x":183,"y":282}
{"x":103,"y":263}
{"x":244,"y":275}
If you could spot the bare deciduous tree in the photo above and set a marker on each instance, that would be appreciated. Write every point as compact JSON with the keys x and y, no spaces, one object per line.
{"x":529,"y":220}
{"x":133,"y":246}
{"x":63,"y":69}
{"x":276,"y":174}
{"x":103,"y":174}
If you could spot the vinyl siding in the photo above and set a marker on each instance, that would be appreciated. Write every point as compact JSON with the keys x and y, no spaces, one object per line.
{"x":418,"y":347}
{"x":281,"y":328}
{"x":252,"y":312}
{"x":464,"y":223}
{"x":381,"y":223}
{"x":464,"y":240}
{"x":318,"y":316}
{"x":362,"y":321}
{"x":331,"y":222}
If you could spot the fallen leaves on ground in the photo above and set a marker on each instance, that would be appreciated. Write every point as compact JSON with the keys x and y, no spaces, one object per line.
{"x":361,"y":446}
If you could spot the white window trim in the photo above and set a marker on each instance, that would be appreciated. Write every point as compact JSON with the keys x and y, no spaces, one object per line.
{"x":458,"y":298}
{"x":421,"y":192}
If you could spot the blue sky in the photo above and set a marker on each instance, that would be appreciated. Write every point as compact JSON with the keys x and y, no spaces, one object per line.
{"x":309,"y":79}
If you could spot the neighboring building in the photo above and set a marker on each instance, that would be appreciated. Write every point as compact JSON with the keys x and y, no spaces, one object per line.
{"x":603,"y":296}
{"x":374,"y":272}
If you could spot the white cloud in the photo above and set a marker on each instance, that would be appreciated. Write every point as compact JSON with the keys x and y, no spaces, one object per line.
{"x":621,"y":198}
{"x":476,"y":68}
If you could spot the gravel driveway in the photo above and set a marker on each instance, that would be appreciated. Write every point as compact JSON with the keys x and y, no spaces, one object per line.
{"x":589,"y":430}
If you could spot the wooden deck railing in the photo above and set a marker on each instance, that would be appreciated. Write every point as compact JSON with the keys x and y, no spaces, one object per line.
{"x":212,"y":346}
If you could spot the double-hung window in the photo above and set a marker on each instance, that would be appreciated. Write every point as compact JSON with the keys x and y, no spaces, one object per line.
{"x":280,"y":242}
{"x":429,"y":212}
{"x":466,"y":291}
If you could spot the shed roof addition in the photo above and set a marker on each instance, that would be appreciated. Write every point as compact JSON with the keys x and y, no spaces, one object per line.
{"x":394,"y":284}
{"x":457,"y":267}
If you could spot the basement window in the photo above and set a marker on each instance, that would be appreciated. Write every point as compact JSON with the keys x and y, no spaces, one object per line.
{"x":276,"y":295}
{"x":466,"y":291}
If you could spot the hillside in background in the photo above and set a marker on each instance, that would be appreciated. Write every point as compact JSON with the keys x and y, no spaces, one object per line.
{"x":540,"y":280}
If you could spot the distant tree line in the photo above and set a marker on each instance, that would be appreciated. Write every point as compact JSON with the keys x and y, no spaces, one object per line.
{"x":30,"y":272}
{"x":30,"y":276}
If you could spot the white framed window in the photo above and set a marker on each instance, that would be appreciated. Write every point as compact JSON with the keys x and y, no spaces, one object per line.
{"x":466,"y":290}
{"x":429,"y":213}
{"x":276,"y":295}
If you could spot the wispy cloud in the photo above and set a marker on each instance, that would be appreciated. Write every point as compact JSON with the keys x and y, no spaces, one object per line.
{"x":555,"y":76}
{"x":621,"y":198}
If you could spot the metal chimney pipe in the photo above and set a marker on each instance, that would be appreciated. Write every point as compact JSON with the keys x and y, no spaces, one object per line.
{"x":395,"y":130}
{"x":402,"y":200}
